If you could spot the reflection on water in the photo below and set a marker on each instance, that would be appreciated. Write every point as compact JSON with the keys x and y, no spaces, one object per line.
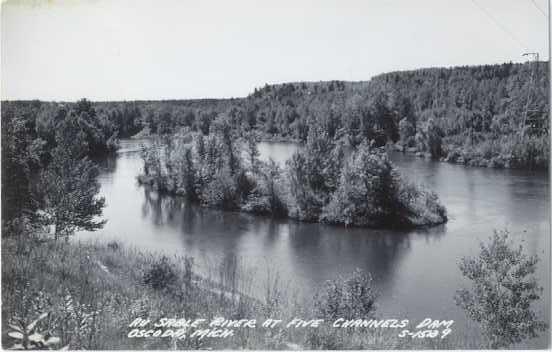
{"x":415,"y":271}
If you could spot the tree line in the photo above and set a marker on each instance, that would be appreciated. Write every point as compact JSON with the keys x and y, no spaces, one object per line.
{"x":473,"y":115}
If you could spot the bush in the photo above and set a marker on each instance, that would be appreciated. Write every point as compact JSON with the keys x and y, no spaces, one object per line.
{"x":531,"y":153}
{"x":420,"y":206}
{"x":272,"y":185}
{"x":113,"y":245}
{"x":221,"y":192}
{"x":161,"y":274}
{"x":256,"y":203}
{"x":351,"y":298}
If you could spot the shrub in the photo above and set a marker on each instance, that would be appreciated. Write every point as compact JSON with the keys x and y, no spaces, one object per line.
{"x":531,"y":153}
{"x":221,"y":192}
{"x":274,"y":189}
{"x":27,"y":336}
{"x":420,"y":206}
{"x":113,"y":245}
{"x":351,"y":298}
{"x":161,"y":274}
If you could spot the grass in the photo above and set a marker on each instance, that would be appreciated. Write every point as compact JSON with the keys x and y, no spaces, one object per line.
{"x":92,"y":291}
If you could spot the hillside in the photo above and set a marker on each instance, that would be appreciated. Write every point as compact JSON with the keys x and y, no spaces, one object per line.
{"x":471,"y":114}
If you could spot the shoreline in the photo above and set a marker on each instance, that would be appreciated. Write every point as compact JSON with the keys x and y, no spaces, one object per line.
{"x":458,"y":157}
{"x":113,"y":280}
{"x":149,"y":182}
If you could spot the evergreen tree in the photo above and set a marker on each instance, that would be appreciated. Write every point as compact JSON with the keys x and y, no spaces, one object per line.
{"x":70,"y":194}
{"x":367,"y":192}
{"x":16,"y":191}
{"x":252,"y":151}
{"x":200,"y":146}
{"x":188,"y":174}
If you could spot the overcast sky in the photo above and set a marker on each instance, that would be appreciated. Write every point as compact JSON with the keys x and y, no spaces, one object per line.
{"x":125,"y":50}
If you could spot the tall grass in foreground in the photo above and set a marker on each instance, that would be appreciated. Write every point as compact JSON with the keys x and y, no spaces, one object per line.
{"x":92,"y":291}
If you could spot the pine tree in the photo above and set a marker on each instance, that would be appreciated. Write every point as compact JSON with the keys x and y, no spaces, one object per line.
{"x":16,"y":192}
{"x":367,"y":191}
{"x":70,"y":190}
{"x":188,"y":174}
{"x":252,"y":151}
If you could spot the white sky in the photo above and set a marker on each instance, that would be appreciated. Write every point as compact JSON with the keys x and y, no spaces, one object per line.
{"x":125,"y":50}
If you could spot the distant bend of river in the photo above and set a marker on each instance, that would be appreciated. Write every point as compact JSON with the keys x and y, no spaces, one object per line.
{"x":416,"y":272}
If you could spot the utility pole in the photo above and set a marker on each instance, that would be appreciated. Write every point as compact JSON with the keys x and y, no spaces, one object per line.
{"x":532,"y":117}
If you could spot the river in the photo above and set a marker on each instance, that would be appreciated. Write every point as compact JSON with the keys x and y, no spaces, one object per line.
{"x":416,"y":272}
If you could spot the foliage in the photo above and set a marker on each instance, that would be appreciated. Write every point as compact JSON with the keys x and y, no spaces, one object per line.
{"x":437,"y":111}
{"x":314,"y":174}
{"x":274,"y":189}
{"x":89,"y":288}
{"x":366,"y":191}
{"x":252,"y":151}
{"x":407,"y":131}
{"x":160,"y":275}
{"x":306,"y":202}
{"x":418,"y":205}
{"x":210,"y":170}
{"x":372,"y":193}
{"x":20,"y":156}
{"x":350,"y":298}
{"x":317,"y":184}
{"x":268,"y":195}
{"x":531,"y":152}
{"x":503,"y":289}
{"x":221,"y":191}
{"x":28,"y":336}
{"x":69,"y":188}
{"x":34,"y":135}
{"x":429,"y":139}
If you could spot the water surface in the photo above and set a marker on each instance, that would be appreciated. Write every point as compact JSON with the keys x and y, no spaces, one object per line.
{"x":416,"y":272}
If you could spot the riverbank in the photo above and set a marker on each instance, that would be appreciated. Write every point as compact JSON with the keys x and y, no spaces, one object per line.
{"x":506,"y":153}
{"x":497,"y":155}
{"x":93,"y":291}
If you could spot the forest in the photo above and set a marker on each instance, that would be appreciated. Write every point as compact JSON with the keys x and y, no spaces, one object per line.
{"x":473,"y":115}
{"x":75,"y":295}
{"x":489,"y":116}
